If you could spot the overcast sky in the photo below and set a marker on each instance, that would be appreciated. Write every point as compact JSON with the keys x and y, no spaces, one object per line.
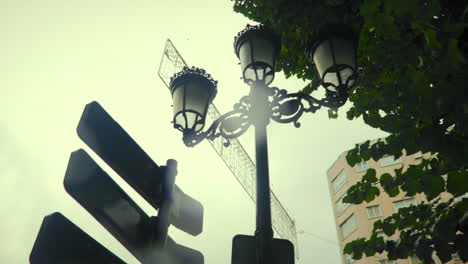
{"x":57,"y":56}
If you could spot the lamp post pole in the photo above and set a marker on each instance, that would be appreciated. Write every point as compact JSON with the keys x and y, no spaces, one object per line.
{"x":260,"y":119}
{"x":193,"y":90}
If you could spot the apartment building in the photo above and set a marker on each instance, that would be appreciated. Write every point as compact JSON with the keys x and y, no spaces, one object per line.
{"x":356,"y":221}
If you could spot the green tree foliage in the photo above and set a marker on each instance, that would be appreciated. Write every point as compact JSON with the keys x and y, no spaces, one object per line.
{"x":412,"y":65}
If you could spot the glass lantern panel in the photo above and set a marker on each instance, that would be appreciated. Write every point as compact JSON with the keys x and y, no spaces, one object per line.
{"x":344,"y":52}
{"x":346,"y":74}
{"x":197,"y":97}
{"x":191,"y":119}
{"x":323,"y":58}
{"x":178,"y":106}
{"x":180,"y":121}
{"x":264,"y":56}
{"x":178,"y":99}
{"x":257,"y":59}
{"x":263,"y":51}
{"x":245,"y":57}
{"x":331,"y":78}
{"x":199,"y":126}
{"x":188,"y":112}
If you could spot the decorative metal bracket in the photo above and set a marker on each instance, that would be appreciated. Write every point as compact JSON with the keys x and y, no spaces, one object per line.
{"x":284,"y":108}
{"x":230,"y":125}
{"x":288,"y":108}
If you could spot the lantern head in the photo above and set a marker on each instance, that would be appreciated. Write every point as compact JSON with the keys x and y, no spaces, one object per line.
{"x":192,"y":90}
{"x":257,"y":47}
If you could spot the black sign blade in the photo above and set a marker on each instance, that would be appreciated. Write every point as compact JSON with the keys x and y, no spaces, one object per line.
{"x":186,"y":213}
{"x":61,"y":242}
{"x":182,"y":255}
{"x":244,"y":250}
{"x":110,"y":141}
{"x":91,"y":187}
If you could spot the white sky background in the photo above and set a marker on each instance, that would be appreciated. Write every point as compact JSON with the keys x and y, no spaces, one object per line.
{"x":57,"y":56}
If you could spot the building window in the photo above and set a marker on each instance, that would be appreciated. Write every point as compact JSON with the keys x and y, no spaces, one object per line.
{"x":361,"y":166}
{"x":339,"y":180}
{"x":404,"y":203}
{"x":389,"y":160}
{"x":349,"y":259}
{"x":348,"y":226}
{"x":340,"y":206}
{"x":374,"y":211}
{"x":386,"y":261}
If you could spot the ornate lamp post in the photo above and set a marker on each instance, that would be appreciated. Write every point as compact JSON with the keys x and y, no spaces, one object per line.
{"x":256,"y":47}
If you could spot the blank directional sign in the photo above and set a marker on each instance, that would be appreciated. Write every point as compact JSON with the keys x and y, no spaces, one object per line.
{"x":110,"y":141}
{"x":92,"y":187}
{"x":61,"y":242}
{"x":244,"y":250}
{"x":184,"y":255}
{"x":186,"y":213}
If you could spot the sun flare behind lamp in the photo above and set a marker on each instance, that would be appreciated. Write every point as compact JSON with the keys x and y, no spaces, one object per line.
{"x":257,"y":47}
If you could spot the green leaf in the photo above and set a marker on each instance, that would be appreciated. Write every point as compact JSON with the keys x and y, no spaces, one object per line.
{"x":443,"y":250}
{"x":355,"y":247}
{"x":457,"y":183}
{"x":377,"y":225}
{"x":423,"y":250}
{"x":386,"y":180}
{"x":460,"y":244}
{"x":446,"y":227}
{"x":411,"y":185}
{"x":371,"y":193}
{"x":352,"y":158}
{"x":388,"y":228}
{"x":453,"y":52}
{"x":370,"y":176}
{"x":394,"y":191}
{"x":369,"y":251}
{"x":332,"y":113}
{"x":436,"y":186}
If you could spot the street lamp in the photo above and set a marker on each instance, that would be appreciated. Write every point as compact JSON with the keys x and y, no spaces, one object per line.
{"x":333,"y":53}
{"x":256,"y":47}
{"x":192,"y":90}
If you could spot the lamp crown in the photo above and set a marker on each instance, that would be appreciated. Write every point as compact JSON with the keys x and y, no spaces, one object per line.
{"x":193,"y":72}
{"x":254,"y":29}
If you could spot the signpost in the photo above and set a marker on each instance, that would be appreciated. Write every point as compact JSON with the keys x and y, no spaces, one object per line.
{"x":61,"y":242}
{"x":144,"y":236}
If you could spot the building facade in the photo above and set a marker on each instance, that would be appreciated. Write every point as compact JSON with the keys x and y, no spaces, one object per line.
{"x":356,"y":221}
